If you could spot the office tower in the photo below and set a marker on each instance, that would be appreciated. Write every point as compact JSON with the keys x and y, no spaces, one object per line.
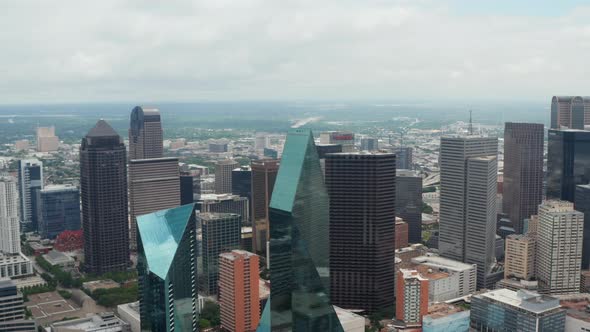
{"x":59,"y":210}
{"x":218,"y":147}
{"x":103,"y":189}
{"x":46,"y":139}
{"x":401,"y":233}
{"x":361,"y":186}
{"x":238,"y":291}
{"x":506,"y":310}
{"x":323,"y":150}
{"x":190,"y":186}
{"x":154,"y":185}
{"x":21,"y":145}
{"x":408,"y":202}
{"x":343,"y":138}
{"x":241,"y":182}
{"x":468,"y":178}
{"x":12,"y":309}
{"x":270,"y":153}
{"x":369,"y":144}
{"x":570,"y":112}
{"x":261,"y":141}
{"x":223,"y":170}
{"x":9,"y":225}
{"x":145,"y":134}
{"x":412,"y":298}
{"x":264,"y":174}
{"x":559,"y":247}
{"x":568,"y":163}
{"x":220,"y":232}
{"x":226,"y":203}
{"x":299,"y":243}
{"x":520,"y":256}
{"x":404,"y":157}
{"x":167,"y":265}
{"x":582,"y":204}
{"x":523,"y":171}
{"x":30,"y":179}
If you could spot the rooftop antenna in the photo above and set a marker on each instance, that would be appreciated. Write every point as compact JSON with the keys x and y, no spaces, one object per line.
{"x":470,"y":123}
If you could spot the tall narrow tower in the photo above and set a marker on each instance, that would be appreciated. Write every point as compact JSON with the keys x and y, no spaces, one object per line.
{"x":30,"y":180}
{"x":103,"y":186}
{"x":9,"y":226}
{"x":145,"y":133}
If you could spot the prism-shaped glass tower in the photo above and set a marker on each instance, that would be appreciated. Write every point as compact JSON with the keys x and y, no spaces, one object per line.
{"x":166,"y":266}
{"x":299,"y":243}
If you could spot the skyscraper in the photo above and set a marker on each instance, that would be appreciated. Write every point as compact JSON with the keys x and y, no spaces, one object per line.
{"x":238,"y":291}
{"x":369,"y":144}
{"x":241,"y":183}
{"x":220,"y":232}
{"x":103,"y":188}
{"x":568,"y":162}
{"x":59,"y":210}
{"x":404,"y":157}
{"x":46,"y":139}
{"x":408,"y":202}
{"x":570,"y":112}
{"x":223,"y":175}
{"x":154,"y":185}
{"x":264,"y":174}
{"x":167,"y":265}
{"x":145,"y":133}
{"x":9,"y":225}
{"x":299,"y":243}
{"x":30,"y":179}
{"x":361,"y":187}
{"x":523,"y":171}
{"x":468,"y":177}
{"x":582,"y":204}
{"x":520,"y":256}
{"x":559,"y":247}
{"x":412,"y":297}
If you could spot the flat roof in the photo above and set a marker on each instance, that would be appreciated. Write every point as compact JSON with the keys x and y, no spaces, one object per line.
{"x":529,"y":301}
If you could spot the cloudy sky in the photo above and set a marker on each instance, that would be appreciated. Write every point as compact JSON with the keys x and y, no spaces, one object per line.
{"x":180,"y":50}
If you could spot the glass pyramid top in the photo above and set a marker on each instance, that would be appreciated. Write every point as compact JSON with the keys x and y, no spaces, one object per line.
{"x":160,"y":234}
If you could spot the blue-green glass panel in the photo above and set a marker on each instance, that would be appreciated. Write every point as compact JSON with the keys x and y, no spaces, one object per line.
{"x":264,"y":324}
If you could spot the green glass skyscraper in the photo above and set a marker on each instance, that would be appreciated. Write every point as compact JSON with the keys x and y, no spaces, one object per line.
{"x":299,"y":243}
{"x":167,"y":270}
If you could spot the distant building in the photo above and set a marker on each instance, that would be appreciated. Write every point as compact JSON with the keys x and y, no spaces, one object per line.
{"x":568,"y":162}
{"x":238,"y":291}
{"x":225,"y":203}
{"x":30,"y":180}
{"x":167,"y":268}
{"x":401,"y":233}
{"x":520,"y":256}
{"x":154,"y":184}
{"x":582,"y":204}
{"x":261,"y":142}
{"x":361,"y":188}
{"x":46,"y":139}
{"x":343,"y":138}
{"x":523,"y":171}
{"x":57,"y":258}
{"x":219,"y":232}
{"x":264,"y":174}
{"x":102,"y":322}
{"x":58,"y":210}
{"x":444,"y":317}
{"x":145,"y":134}
{"x":190,"y":186}
{"x":241,"y":183}
{"x":408,"y":202}
{"x":103,"y":187}
{"x":218,"y":147}
{"x":223,"y":175}
{"x":570,"y":112}
{"x":412,"y":298}
{"x":404,"y":157}
{"x":21,"y":145}
{"x":270,"y":153}
{"x":516,"y":311}
{"x":12,"y":309}
{"x":369,"y":144}
{"x":559,"y":247}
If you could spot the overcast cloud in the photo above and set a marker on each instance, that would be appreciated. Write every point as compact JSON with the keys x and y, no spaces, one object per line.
{"x":115,"y":50}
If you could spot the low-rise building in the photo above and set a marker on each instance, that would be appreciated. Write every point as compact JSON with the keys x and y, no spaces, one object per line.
{"x":129,"y":312}
{"x":505,"y":310}
{"x":58,"y":258}
{"x":91,"y":286}
{"x":12,"y":309}
{"x":15,"y":266}
{"x":514,"y":284}
{"x":102,"y":322}
{"x":443,"y":317}
{"x":461,"y":280}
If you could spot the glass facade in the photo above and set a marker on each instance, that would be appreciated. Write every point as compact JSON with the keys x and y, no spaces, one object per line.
{"x":568,"y":163}
{"x":167,"y":270}
{"x":299,"y":242}
{"x":59,"y":210}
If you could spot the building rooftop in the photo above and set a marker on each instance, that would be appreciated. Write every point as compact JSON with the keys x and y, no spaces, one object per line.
{"x":522,"y":299}
{"x":58,"y":187}
{"x":577,"y":306}
{"x":437,"y":261}
{"x":105,"y":319}
{"x":407,"y":274}
{"x":439,"y":310}
{"x":57,"y":257}
{"x":430,"y":274}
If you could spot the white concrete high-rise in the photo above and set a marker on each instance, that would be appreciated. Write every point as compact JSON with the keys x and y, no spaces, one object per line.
{"x":468,"y":177}
{"x":9,"y":223}
{"x":559,"y":247}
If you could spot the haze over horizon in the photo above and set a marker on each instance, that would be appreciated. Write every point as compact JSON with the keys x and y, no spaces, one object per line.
{"x":215,"y":50}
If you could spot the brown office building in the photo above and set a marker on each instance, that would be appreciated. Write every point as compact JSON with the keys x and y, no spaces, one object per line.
{"x":361,"y":187}
{"x":264,"y":174}
{"x":103,"y":188}
{"x":145,"y":134}
{"x":523,"y":171}
{"x":154,"y":185}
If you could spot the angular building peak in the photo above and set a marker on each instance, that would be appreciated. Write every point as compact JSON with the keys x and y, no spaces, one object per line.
{"x":161,"y":233}
{"x":102,"y":129}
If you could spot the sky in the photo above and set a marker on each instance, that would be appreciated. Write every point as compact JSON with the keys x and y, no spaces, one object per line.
{"x":182,"y":50}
